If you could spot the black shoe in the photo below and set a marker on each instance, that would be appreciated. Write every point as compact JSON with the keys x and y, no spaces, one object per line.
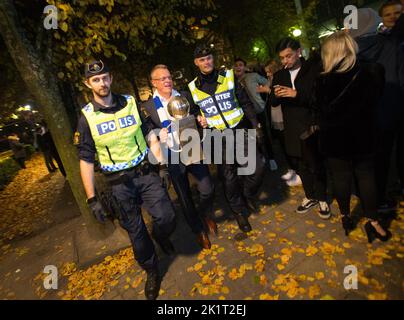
{"x":347,"y":224}
{"x":165,"y":245}
{"x":306,"y":205}
{"x":373,"y":234}
{"x":243,"y":223}
{"x":152,"y":286}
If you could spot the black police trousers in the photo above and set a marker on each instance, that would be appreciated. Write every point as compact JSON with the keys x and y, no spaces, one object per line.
{"x":179,"y":177}
{"x":147,"y":192}
{"x":239,"y":188}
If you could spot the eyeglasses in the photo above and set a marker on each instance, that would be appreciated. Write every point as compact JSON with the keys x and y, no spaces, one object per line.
{"x":95,"y":67}
{"x":164,"y":78}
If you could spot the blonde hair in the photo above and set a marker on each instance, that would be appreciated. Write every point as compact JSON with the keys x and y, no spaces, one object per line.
{"x":157,"y":66}
{"x":338,"y":52}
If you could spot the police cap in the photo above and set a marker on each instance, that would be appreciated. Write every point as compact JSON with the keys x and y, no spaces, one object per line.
{"x":95,"y":68}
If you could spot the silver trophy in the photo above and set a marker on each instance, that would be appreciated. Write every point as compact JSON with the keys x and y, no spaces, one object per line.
{"x":178,"y":108}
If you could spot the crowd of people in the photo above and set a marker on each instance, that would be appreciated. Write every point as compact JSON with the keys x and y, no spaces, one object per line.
{"x":339,"y":112}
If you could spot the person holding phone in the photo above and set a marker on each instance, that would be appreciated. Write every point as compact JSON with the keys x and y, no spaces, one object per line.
{"x":292,"y":88}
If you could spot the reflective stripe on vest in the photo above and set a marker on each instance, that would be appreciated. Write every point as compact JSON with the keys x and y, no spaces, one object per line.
{"x":117,"y":136}
{"x":221,"y":110}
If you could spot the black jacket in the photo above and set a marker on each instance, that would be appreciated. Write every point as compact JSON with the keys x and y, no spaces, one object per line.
{"x":297,"y":115}
{"x":388,"y":50}
{"x":346,"y":110}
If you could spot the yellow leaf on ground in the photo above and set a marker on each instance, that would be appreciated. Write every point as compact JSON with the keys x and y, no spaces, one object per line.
{"x":266,"y":296}
{"x":377,"y":296}
{"x":198,"y":266}
{"x":280,"y":267}
{"x":314,"y":291}
{"x":225,"y":290}
{"x":311,"y":251}
{"x":319,"y":275}
{"x":310,"y":235}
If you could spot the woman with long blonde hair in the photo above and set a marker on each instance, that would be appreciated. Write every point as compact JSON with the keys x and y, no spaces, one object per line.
{"x":345,"y":98}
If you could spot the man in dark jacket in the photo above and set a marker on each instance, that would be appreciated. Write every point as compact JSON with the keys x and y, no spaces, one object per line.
{"x":221,"y":103}
{"x":156,"y":108}
{"x":386,"y":48}
{"x":292,"y":89}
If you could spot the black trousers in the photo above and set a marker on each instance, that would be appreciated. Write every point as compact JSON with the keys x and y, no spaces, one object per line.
{"x":238,"y":188}
{"x":266,"y":146}
{"x":280,"y":135}
{"x":179,"y":177}
{"x":147,"y":192}
{"x":361,"y":170}
{"x":55,"y":155}
{"x":49,"y":161}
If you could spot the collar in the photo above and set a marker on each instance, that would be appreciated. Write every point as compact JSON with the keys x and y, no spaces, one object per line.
{"x":117,"y":101}
{"x":163,"y":100}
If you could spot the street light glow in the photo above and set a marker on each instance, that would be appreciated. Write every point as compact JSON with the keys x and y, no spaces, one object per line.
{"x":256,"y":49}
{"x":297,"y":33}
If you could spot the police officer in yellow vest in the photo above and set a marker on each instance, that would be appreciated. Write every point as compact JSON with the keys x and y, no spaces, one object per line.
{"x":112,"y":128}
{"x":223,"y":104}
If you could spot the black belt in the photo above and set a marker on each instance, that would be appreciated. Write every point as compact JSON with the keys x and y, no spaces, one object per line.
{"x":124,"y":176}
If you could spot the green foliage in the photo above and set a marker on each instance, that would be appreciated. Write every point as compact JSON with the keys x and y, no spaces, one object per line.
{"x":123,"y":29}
{"x":8,"y":169}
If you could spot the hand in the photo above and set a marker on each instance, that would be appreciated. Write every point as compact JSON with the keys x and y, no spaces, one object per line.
{"x":163,"y":135}
{"x":202,"y":121}
{"x":285,"y":92}
{"x":263,"y":89}
{"x":97,"y":209}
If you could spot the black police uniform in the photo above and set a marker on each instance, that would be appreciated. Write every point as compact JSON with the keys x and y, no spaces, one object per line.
{"x":238,"y":191}
{"x":179,"y":174}
{"x":137,"y":187}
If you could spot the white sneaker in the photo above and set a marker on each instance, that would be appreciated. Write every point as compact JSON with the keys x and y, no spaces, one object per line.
{"x":272,"y":165}
{"x":324,"y":212}
{"x":294,"y":181}
{"x":288,"y":175}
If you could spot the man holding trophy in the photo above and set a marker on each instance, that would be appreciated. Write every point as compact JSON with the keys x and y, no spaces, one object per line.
{"x":169,"y":113}
{"x":224,"y":106}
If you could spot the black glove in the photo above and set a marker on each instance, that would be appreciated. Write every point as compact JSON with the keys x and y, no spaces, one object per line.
{"x":97,"y":209}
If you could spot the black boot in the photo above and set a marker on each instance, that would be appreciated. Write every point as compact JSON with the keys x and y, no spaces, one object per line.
{"x":347,"y":224}
{"x":243,"y":223}
{"x":152,"y":286}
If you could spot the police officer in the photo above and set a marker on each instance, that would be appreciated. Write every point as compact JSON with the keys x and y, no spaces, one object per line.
{"x":204,"y":91}
{"x":156,"y":107}
{"x":111,"y":127}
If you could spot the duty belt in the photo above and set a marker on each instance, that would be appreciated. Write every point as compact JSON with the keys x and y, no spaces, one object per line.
{"x":125,"y":176}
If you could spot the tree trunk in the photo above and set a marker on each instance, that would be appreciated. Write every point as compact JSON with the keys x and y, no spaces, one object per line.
{"x":43,"y":86}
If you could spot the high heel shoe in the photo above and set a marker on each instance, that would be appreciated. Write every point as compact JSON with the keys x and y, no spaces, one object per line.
{"x":373,"y":234}
{"x":347,"y":224}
